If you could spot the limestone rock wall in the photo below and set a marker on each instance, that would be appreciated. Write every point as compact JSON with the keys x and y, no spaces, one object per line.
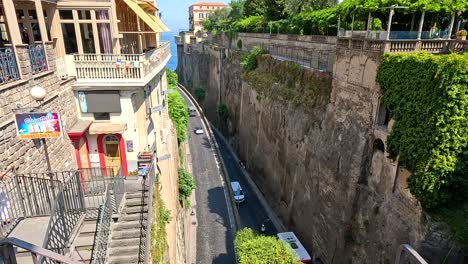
{"x":321,"y":166}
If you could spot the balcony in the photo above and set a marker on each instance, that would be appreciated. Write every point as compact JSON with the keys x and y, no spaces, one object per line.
{"x":38,"y":58}
{"x":119,"y":69}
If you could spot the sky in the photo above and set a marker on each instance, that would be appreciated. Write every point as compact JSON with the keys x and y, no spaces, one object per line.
{"x":175,"y":12}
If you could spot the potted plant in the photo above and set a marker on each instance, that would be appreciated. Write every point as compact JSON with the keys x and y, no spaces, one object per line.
{"x":462,"y":34}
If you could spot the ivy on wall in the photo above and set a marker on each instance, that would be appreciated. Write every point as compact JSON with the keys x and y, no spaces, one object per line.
{"x":427,"y":96}
{"x":287,"y":81}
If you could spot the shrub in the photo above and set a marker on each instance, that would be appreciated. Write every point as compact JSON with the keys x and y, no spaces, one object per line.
{"x":258,"y":249}
{"x":186,"y":186}
{"x":158,"y":229}
{"x":179,"y":114}
{"x":251,"y":24}
{"x":171,"y":79}
{"x":200,"y":94}
{"x":239,"y":44}
{"x":223,"y":112}
{"x":249,"y":62}
{"x":429,"y":104}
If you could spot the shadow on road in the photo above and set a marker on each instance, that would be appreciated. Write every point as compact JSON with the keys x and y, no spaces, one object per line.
{"x":217,"y":205}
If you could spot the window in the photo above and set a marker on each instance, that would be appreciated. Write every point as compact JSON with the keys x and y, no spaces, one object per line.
{"x":87,"y":38}
{"x":200,"y":15}
{"x":94,"y":29}
{"x":4,"y":37}
{"x":101,"y":116}
{"x":84,"y":14}
{"x":68,"y":31}
{"x":66,"y":14}
{"x":28,"y":23}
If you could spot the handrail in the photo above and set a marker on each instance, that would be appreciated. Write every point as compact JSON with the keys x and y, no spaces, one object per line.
{"x":412,"y":253}
{"x":69,"y":208}
{"x":103,"y":230}
{"x":7,"y":252}
{"x":151,"y":179}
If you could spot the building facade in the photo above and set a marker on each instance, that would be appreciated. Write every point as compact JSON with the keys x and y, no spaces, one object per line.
{"x":102,"y":65}
{"x":201,"y":11}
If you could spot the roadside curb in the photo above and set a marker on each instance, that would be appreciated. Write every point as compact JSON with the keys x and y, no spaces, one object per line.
{"x":271,"y":215}
{"x":232,"y":210}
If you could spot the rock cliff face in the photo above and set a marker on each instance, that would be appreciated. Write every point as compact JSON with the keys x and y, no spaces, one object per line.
{"x":312,"y":141}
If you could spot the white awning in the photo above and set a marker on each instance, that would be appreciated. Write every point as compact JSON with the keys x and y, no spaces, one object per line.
{"x":107,"y":128}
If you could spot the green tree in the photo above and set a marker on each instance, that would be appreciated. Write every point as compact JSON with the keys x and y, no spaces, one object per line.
{"x":274,"y":10}
{"x":186,"y":186}
{"x":171,"y":79}
{"x":252,"y":248}
{"x":200,"y":94}
{"x":178,"y":112}
{"x":254,"y":8}
{"x":292,"y":7}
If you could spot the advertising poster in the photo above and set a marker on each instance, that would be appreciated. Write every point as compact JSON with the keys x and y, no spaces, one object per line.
{"x":38,"y":125}
{"x":83,"y":104}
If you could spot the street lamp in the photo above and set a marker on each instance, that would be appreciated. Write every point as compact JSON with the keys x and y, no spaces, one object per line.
{"x":38,"y":93}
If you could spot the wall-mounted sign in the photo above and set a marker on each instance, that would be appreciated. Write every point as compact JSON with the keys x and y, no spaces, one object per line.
{"x":38,"y":125}
{"x":129,"y":145}
{"x":157,"y":108}
{"x":83,"y":104}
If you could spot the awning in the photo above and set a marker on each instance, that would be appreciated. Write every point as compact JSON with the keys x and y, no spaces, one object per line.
{"x":79,"y":128}
{"x":107,"y":128}
{"x":149,"y":19}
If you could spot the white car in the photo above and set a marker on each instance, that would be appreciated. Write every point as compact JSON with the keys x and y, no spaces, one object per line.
{"x":198,"y":131}
{"x":239,"y":196}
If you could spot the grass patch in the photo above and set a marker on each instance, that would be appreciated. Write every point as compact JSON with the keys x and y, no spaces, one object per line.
{"x":158,"y":227}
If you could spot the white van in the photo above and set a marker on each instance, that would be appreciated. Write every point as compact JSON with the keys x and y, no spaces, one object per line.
{"x":290,"y":239}
{"x":237,"y":191}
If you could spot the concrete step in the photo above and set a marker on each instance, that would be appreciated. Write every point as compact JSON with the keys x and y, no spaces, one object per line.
{"x":126,"y":242}
{"x":135,"y":209}
{"x":88,"y":228}
{"x":124,"y":234}
{"x":123,"y":259}
{"x":136,"y":201}
{"x":125,"y":251}
{"x":132,"y":217}
{"x":84,"y":242}
{"x":136,"y":195}
{"x":129,"y":225}
{"x":82,"y":255}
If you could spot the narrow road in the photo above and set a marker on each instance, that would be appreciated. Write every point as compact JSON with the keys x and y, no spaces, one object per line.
{"x":251,"y":212}
{"x":214,"y":233}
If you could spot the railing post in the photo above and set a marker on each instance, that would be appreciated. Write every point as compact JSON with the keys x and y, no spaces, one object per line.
{"x":7,"y":252}
{"x":418,"y":45}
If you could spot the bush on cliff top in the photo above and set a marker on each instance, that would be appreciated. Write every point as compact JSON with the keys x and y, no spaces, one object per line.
{"x":249,"y":61}
{"x":427,"y":96}
{"x":171,"y":79}
{"x":186,"y":186}
{"x":258,"y":249}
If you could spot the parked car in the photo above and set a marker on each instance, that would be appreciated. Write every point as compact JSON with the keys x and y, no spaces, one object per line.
{"x":198,"y":131}
{"x":239,"y":196}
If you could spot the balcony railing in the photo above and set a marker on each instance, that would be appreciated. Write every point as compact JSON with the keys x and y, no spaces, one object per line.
{"x":38,"y":58}
{"x":8,"y":68}
{"x":432,"y":45}
{"x":119,"y":66}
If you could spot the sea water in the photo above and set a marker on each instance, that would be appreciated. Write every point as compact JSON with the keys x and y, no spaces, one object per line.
{"x":169,"y":36}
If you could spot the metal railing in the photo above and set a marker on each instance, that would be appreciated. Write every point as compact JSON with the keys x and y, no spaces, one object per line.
{"x":8,"y":68}
{"x":307,"y":57}
{"x":8,"y":252}
{"x":120,"y":66}
{"x":69,"y":208}
{"x":406,"y":252}
{"x":38,"y":58}
{"x":103,"y":229}
{"x":27,"y":195}
{"x":150,"y":180}
{"x":432,"y":46}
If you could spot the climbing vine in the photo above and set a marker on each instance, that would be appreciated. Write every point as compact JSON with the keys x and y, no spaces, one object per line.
{"x":427,"y":96}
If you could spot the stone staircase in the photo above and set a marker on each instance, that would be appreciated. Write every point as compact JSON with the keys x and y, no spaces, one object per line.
{"x":82,"y":248}
{"x":128,"y":235}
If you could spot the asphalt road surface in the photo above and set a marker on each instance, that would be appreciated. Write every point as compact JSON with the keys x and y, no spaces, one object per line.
{"x":214,"y":233}
{"x":251,"y":212}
